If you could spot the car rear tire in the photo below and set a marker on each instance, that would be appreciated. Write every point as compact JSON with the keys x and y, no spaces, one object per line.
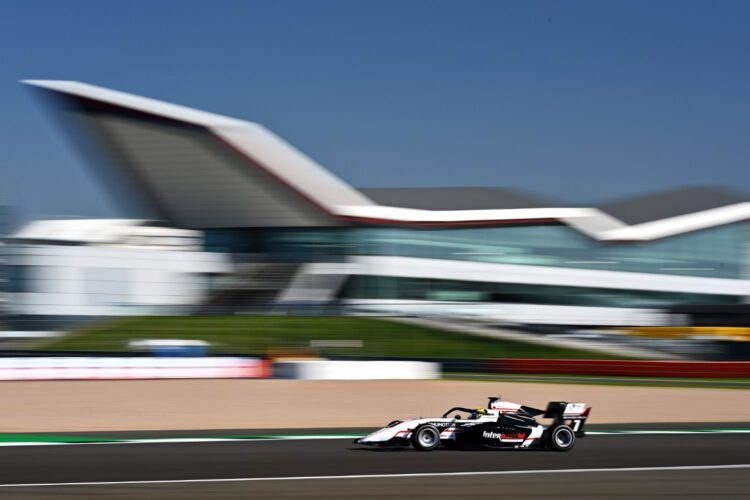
{"x":425,"y":438}
{"x":561,"y":438}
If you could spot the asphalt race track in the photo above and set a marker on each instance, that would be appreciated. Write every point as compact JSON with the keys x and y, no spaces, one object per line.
{"x":674,"y":455}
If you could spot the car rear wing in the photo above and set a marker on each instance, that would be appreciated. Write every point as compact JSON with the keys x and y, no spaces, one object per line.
{"x":572,"y":414}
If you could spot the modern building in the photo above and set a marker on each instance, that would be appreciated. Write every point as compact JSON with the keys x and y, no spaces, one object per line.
{"x":310,"y":238}
{"x":63,"y":271}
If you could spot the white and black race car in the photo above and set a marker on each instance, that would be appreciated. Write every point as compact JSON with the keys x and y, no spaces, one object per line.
{"x":501,"y":425}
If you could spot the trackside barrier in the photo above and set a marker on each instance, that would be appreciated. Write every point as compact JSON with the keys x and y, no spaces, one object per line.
{"x":99,"y":368}
{"x":740,"y":334}
{"x":355,"y":370}
{"x":635,"y":368}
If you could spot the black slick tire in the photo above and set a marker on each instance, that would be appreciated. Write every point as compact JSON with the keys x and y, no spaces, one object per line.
{"x":560,"y":438}
{"x":425,"y":438}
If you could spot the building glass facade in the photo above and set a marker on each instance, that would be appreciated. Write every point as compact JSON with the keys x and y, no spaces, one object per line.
{"x":718,"y":252}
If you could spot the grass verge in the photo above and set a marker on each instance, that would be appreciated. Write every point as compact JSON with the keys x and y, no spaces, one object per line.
{"x":264,"y":334}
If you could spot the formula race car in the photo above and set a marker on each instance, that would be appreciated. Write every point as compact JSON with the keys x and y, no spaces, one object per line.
{"x":501,"y":425}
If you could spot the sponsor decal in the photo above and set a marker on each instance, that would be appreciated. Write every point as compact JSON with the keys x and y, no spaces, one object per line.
{"x":501,"y":436}
{"x":441,"y":424}
{"x":574,"y":408}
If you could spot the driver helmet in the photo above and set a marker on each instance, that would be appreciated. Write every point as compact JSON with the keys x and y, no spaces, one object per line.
{"x":478,"y":412}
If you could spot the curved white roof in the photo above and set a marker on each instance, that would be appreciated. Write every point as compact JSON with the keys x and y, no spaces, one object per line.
{"x":316,"y":185}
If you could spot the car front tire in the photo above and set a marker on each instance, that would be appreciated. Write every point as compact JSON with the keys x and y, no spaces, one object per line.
{"x":425,"y":438}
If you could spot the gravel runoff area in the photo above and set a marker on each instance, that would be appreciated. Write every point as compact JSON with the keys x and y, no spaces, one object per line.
{"x":78,"y":406}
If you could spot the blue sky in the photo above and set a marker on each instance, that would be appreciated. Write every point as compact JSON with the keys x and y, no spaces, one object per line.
{"x":577,"y":100}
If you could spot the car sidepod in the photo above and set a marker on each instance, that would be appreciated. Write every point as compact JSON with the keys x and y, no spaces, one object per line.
{"x":502,"y":435}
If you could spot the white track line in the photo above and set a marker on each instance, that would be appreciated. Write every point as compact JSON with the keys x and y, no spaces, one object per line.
{"x":178,"y":440}
{"x":705,"y":431}
{"x":32,"y":443}
{"x":386,"y":476}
